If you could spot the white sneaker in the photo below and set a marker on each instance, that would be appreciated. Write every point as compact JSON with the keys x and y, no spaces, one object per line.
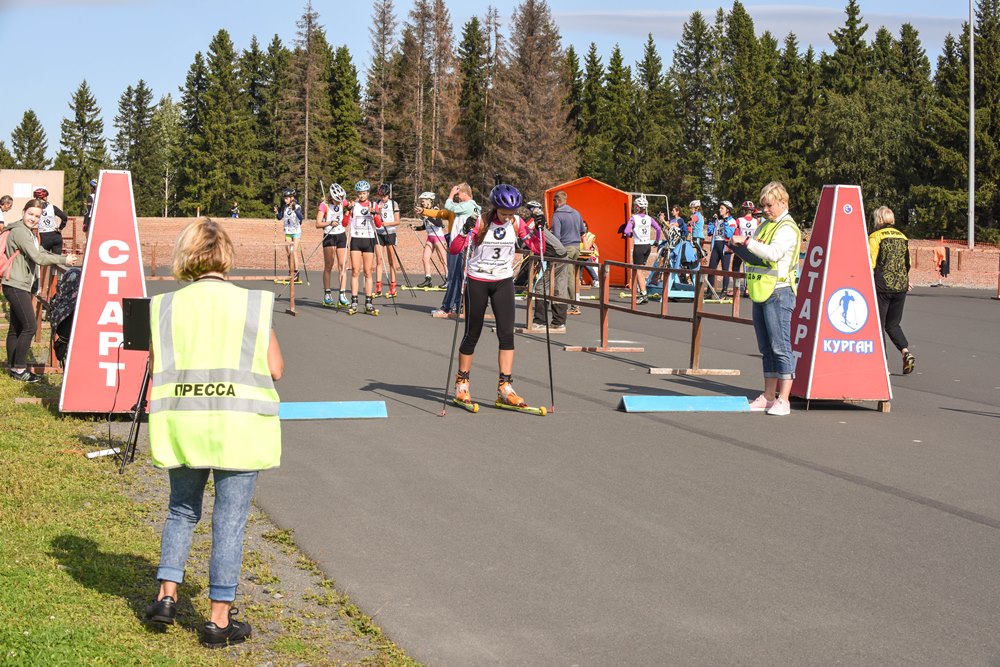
{"x":760,"y":404}
{"x":780,"y":408}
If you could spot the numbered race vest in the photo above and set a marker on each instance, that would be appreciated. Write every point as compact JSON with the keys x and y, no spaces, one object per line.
{"x":762,"y":276}
{"x":362,"y":220}
{"x":48,"y":222}
{"x":746,"y":225}
{"x":290,"y":220}
{"x":642,"y":229}
{"x":494,"y":258}
{"x":697,"y":225}
{"x":719,"y":232}
{"x":333,"y":216}
{"x":213,"y":403}
{"x":388,"y":210}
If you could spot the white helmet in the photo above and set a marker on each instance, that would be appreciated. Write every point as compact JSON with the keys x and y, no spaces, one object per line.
{"x":695,"y":203}
{"x":337,"y":193}
{"x":641,"y":202}
{"x":426,"y":195}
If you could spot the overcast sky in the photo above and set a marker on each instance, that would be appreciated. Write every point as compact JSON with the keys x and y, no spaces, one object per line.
{"x":50,"y":46}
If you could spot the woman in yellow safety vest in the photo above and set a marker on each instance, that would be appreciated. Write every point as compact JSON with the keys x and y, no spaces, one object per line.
{"x":771,"y":284}
{"x":213,"y":408}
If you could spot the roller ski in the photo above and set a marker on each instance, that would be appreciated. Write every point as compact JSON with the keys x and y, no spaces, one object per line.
{"x":507,"y":399}
{"x":369,"y":308}
{"x":462,"y":397}
{"x":353,"y":307}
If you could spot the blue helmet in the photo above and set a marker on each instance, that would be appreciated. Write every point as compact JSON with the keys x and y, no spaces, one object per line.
{"x":505,"y":196}
{"x":93,"y":182}
{"x":362,"y":186}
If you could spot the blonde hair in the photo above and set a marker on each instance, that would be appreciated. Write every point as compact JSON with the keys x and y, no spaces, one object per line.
{"x":560,"y":197}
{"x":884,"y":216}
{"x":203,"y":247}
{"x":774,"y":192}
{"x":465,"y":189}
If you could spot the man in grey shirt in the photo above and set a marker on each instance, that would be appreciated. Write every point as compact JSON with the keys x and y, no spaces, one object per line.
{"x":568,"y":227}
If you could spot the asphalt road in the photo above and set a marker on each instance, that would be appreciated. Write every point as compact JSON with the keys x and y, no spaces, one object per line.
{"x":838,"y":535}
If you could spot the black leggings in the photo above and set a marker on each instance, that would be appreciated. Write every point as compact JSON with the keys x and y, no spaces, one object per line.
{"x":719,"y":255}
{"x":500,"y":294}
{"x":22,"y":326}
{"x":51,"y":241}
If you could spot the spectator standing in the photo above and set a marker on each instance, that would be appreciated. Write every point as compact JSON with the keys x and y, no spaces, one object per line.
{"x":568,"y":227}
{"x":696,"y":227}
{"x":460,"y":205}
{"x":5,"y":204}
{"x":18,"y":285}
{"x":889,"y":250}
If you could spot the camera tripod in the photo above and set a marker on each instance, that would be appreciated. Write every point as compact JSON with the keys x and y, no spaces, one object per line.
{"x":138,"y":410}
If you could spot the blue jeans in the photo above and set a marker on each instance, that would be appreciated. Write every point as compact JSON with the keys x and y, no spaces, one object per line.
{"x":453,"y":295}
{"x":233,"y":493}
{"x":772,"y":322}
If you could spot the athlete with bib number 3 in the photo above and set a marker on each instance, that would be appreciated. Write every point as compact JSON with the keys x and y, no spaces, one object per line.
{"x":490,"y":277}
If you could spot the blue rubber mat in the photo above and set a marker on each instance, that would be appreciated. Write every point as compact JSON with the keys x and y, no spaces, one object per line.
{"x":684,"y":404}
{"x":334,"y":410}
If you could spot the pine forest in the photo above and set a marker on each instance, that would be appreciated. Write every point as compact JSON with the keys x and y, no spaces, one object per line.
{"x":729,"y":110}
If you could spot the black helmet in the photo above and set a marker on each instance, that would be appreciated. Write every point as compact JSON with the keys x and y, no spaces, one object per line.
{"x":384,"y":189}
{"x":288,"y":192}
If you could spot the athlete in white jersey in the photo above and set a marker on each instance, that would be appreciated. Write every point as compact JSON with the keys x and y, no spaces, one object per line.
{"x":362,"y":220}
{"x":330,"y":218}
{"x":50,"y":224}
{"x":490,"y":279}
{"x":386,"y":239}
{"x":433,"y":224}
{"x":746,"y":225}
{"x":290,"y":215}
{"x":640,"y":228}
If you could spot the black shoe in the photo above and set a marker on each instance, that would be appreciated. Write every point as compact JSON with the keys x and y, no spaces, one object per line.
{"x":212,"y":636}
{"x":25,"y":376}
{"x":426,"y":282}
{"x":443,"y":285}
{"x":162,"y":611}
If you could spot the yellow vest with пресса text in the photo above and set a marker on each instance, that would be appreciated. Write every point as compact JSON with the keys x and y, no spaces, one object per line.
{"x":762,"y":277}
{"x":213,"y":403}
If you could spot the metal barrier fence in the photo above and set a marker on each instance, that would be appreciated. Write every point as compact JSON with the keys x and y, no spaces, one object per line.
{"x":698,"y":279}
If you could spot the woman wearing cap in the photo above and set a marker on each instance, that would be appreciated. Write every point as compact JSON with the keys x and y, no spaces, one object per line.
{"x":490,"y":278}
{"x":50,"y":224}
{"x":722,"y":230}
{"x":746,"y":225}
{"x":434,"y":223}
{"x":330,"y":218}
{"x":771,"y":284}
{"x":18,"y":283}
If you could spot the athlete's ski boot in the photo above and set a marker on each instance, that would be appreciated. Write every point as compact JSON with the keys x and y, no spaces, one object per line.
{"x":508,"y":399}
{"x":328,"y":299}
{"x":353,"y":308}
{"x":344,"y":301}
{"x":392,"y":291}
{"x":462,"y":396}
{"x":378,"y":289}
{"x":370,"y":307}
{"x":425,"y":283}
{"x":642,"y":298}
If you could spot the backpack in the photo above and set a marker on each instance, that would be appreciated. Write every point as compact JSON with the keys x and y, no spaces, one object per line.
{"x":6,"y":262}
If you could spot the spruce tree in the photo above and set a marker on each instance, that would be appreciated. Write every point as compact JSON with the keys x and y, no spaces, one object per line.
{"x":304,"y":114}
{"x":792,"y":138}
{"x":692,"y":77}
{"x":29,"y":143}
{"x":849,"y":65}
{"x":229,"y":144}
{"x":376,"y":105}
{"x":276,"y":69}
{"x":617,"y":124}
{"x":6,"y":159}
{"x":595,"y":151}
{"x":535,"y":149}
{"x":195,"y":162}
{"x":255,"y":80}
{"x":473,"y":82}
{"x":82,"y":152}
{"x":988,"y":118}
{"x":657,"y":129}
{"x":344,"y":135}
{"x":444,"y":90}
{"x":134,"y":146}
{"x":573,"y":81}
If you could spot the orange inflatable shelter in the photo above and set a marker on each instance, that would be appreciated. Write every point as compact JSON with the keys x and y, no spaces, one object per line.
{"x":605,"y":209}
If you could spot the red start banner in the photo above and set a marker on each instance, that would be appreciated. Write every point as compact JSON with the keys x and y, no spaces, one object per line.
{"x":100,"y":375}
{"x":836,"y":332}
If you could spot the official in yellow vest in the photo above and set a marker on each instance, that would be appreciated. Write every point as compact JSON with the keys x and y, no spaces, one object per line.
{"x":213,"y":409}
{"x":771,"y":284}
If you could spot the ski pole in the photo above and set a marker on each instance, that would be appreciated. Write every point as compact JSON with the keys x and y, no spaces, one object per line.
{"x":385,"y":269}
{"x":458,"y":317}
{"x":545,"y":307}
